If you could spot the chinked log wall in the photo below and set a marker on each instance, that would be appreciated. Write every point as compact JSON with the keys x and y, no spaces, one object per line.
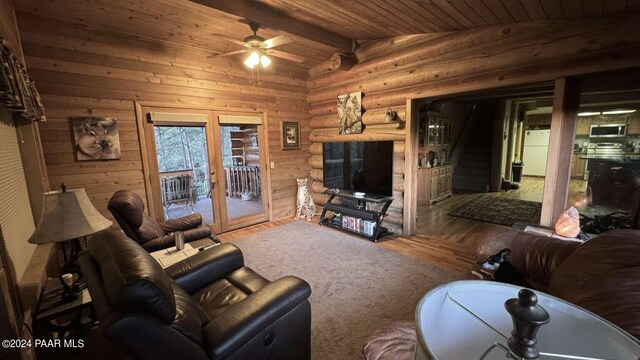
{"x":390,"y":71}
{"x":81,"y":71}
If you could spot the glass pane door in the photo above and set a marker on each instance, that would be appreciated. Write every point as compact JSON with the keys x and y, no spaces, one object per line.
{"x":242,"y":175}
{"x":184,"y":171}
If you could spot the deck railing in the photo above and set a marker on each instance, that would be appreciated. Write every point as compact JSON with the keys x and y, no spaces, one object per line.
{"x":242,"y":179}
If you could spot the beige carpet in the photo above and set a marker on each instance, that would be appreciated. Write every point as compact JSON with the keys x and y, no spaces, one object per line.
{"x":357,"y":286}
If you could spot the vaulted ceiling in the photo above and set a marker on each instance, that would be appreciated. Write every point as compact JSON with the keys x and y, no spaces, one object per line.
{"x":318,"y":28}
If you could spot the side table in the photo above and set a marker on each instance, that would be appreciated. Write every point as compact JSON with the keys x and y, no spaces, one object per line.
{"x":75,"y":316}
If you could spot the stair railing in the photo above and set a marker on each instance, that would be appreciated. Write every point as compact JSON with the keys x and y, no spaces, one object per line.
{"x":467,"y":129}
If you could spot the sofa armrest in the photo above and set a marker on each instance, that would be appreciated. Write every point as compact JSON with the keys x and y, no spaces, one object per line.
{"x":169,"y":240}
{"x":206,"y":267}
{"x":181,"y":224}
{"x":198,"y":233}
{"x":537,"y":257}
{"x":249,"y":317}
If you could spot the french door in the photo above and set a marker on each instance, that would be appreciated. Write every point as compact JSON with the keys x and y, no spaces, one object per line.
{"x":242,"y":171}
{"x":206,"y":162}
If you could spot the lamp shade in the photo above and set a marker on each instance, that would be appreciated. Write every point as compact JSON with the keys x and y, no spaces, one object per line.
{"x":67,"y":215}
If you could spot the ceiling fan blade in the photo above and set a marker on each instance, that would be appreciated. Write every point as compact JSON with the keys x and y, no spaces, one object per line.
{"x":276,"y":41}
{"x":228,"y":53}
{"x":241,"y":43}
{"x":285,"y":55}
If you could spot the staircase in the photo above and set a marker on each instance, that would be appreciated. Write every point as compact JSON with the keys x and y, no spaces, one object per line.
{"x":472,"y":170}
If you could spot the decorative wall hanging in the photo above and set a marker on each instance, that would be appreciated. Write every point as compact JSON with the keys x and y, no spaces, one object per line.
{"x":17,"y":91}
{"x":290,"y":135}
{"x":96,"y":138}
{"x":350,"y":113}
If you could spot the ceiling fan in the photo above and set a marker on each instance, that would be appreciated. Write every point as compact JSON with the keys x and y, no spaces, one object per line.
{"x":259,"y":48}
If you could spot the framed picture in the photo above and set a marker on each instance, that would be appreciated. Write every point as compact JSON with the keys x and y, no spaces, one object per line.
{"x":290,"y":135}
{"x":350,"y":113}
{"x":96,"y":138}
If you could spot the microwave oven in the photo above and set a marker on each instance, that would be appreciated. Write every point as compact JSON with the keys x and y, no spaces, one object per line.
{"x":607,"y":130}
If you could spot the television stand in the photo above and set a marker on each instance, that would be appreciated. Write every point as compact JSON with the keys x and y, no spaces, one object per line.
{"x":360,"y":215}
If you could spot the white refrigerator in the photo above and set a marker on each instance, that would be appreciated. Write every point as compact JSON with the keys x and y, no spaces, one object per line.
{"x":534,"y":154}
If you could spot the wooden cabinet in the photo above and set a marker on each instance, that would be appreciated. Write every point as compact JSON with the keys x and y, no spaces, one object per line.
{"x":578,"y":167}
{"x":433,"y":130}
{"x":435,"y":184}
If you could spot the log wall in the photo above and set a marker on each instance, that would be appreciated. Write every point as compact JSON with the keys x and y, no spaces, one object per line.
{"x":80,"y":71}
{"x":252,"y":153}
{"x":390,"y":71}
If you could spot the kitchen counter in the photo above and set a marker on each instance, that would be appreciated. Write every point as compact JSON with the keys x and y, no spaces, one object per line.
{"x":618,"y":158}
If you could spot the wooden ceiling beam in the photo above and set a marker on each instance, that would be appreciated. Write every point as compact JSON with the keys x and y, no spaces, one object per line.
{"x":270,"y":18}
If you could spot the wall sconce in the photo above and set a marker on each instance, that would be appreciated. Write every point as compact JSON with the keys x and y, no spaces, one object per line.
{"x":391,"y":115}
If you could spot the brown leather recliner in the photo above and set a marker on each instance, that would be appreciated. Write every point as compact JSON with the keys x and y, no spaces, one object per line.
{"x":208,"y":306}
{"x":128,"y":210}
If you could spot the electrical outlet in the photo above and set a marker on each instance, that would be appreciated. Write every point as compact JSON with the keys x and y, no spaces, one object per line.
{"x":273,"y":165}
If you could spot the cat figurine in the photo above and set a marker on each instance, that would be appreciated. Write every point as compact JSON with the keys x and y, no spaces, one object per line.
{"x":306,"y":208}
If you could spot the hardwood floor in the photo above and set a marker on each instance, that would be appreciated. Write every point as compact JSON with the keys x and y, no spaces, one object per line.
{"x":442,"y":240}
{"x":435,"y":224}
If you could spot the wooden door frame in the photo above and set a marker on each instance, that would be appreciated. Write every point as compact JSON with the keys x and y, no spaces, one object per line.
{"x":557,"y":175}
{"x":566,"y":101}
{"x":148,"y":162}
{"x":150,"y":156}
{"x":410,"y":196}
{"x":265,"y":184}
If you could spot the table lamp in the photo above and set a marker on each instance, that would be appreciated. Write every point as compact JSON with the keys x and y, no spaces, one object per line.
{"x":67,"y":216}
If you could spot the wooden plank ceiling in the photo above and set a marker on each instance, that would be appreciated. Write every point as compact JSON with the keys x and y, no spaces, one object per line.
{"x":178,"y":23}
{"x":318,"y":28}
{"x":378,"y":19}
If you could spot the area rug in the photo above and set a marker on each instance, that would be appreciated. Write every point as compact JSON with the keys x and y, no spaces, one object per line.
{"x":501,"y":211}
{"x":357,"y":286}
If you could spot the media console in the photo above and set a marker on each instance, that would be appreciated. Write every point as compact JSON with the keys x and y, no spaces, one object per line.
{"x":361,"y":215}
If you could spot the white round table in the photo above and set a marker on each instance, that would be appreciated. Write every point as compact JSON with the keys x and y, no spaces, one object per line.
{"x":446,"y":330}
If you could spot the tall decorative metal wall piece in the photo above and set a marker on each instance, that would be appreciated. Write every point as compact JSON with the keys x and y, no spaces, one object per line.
{"x":17,"y":91}
{"x":350,"y":113}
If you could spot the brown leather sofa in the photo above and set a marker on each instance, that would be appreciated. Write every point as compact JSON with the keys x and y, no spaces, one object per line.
{"x":601,"y":275}
{"x":128,"y":210}
{"x":208,"y":306}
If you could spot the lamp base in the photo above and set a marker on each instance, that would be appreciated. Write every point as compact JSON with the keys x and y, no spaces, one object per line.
{"x":70,"y":250}
{"x":68,"y":294}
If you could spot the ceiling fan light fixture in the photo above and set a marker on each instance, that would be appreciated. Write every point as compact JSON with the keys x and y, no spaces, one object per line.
{"x":252,"y":60}
{"x":265,"y":61}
